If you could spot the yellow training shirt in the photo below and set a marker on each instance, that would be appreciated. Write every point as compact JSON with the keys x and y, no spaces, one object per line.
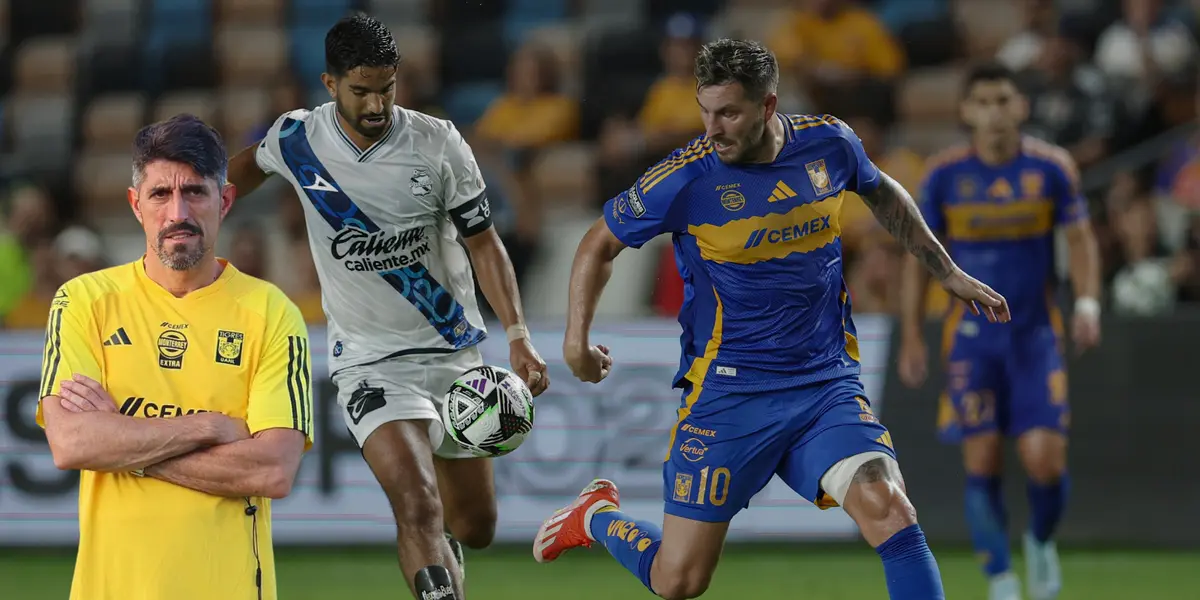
{"x":239,"y":347}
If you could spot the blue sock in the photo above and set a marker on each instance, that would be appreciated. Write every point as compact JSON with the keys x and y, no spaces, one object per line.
{"x":1046,"y":504}
{"x":988,"y":523}
{"x":910,"y":568}
{"x":633,"y":543}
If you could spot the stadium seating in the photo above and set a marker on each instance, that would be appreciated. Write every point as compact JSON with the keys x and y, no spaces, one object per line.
{"x":319,"y":13}
{"x":242,"y":109}
{"x":38,"y":18}
{"x":171,"y":15}
{"x":177,"y":52}
{"x":99,"y":182}
{"x":418,"y":47}
{"x":930,"y":94}
{"x":111,"y":121}
{"x":986,"y":24}
{"x":78,"y":77}
{"x":658,"y":11}
{"x":249,"y":55}
{"x":475,"y":52}
{"x":525,"y":16}
{"x":410,"y":12}
{"x":111,"y":19}
{"x":251,"y":12}
{"x":619,"y":66}
{"x":456,"y":14}
{"x":563,"y":41}
{"x":307,"y":44}
{"x":567,"y":173}
{"x":466,"y":102}
{"x":600,"y":15}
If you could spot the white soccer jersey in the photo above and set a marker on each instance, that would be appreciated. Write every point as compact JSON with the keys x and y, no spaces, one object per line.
{"x":382,"y":227}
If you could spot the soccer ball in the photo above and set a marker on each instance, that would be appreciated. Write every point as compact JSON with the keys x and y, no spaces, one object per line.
{"x":488,"y":411}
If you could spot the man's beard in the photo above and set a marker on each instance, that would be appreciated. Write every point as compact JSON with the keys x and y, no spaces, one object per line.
{"x":180,"y":256}
{"x":752,"y":144}
{"x":358,"y":125}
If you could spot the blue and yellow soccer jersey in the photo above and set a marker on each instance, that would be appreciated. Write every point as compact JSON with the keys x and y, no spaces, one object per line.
{"x":998,"y":222}
{"x":758,"y":246}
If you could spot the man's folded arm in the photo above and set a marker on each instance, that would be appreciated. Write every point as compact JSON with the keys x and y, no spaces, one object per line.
{"x":262,"y":466}
{"x":112,"y":442}
{"x":279,"y":417}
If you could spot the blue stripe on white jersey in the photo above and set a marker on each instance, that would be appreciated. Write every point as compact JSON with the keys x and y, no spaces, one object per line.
{"x":414,"y":282}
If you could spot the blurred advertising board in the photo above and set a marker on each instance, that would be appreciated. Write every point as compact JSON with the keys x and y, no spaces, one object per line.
{"x":617,"y":429}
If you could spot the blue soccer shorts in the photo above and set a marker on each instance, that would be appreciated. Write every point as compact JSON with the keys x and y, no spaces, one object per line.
{"x":1010,"y":382}
{"x":726,"y":446}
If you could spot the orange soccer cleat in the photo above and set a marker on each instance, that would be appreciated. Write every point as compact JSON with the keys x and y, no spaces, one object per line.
{"x":567,"y":528}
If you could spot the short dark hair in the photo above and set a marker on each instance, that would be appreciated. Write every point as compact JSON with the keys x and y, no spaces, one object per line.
{"x":749,"y":63}
{"x":987,"y":72}
{"x":359,"y":40}
{"x":184,"y":139}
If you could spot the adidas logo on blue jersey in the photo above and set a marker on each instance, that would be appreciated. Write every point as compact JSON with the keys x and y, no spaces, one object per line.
{"x":782,"y":192}
{"x":787,"y":234}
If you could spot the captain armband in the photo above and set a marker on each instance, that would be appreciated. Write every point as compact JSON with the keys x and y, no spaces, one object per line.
{"x":473,"y":216}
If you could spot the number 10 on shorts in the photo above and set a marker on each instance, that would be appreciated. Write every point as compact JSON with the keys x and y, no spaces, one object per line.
{"x":714,"y":491}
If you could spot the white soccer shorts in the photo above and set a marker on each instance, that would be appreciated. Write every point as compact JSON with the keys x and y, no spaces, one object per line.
{"x":403,"y":389}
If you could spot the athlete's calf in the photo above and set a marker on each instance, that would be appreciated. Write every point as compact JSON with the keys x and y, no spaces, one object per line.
{"x":877,"y":501}
{"x":468,"y":492}
{"x":401,"y":457}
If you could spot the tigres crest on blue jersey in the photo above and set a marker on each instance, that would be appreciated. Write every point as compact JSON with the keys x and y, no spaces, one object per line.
{"x":759,"y":249}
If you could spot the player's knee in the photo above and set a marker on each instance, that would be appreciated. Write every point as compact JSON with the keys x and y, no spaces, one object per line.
{"x":877,"y":495}
{"x":417,"y":508}
{"x":475,"y":529}
{"x":1043,"y":456}
{"x":1044,"y":472}
{"x":676,"y":580}
{"x":983,"y":454}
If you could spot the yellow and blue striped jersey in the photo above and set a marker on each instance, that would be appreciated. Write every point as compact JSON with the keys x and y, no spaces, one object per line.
{"x":758,"y":246}
{"x":998,"y":222}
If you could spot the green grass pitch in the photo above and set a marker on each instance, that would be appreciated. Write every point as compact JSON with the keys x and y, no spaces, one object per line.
{"x":509,"y":573}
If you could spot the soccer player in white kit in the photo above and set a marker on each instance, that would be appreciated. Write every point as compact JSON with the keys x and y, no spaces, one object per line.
{"x":387,"y":192}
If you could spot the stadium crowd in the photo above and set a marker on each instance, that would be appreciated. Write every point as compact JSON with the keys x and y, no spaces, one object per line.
{"x":567,"y":101}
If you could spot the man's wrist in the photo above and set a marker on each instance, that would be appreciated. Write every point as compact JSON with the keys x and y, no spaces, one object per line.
{"x":1088,"y":306}
{"x":517,"y":333}
{"x":910,"y":332}
{"x":575,"y":340}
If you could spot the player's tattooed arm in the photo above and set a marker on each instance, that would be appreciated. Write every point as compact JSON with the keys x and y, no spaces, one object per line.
{"x":896,"y":210}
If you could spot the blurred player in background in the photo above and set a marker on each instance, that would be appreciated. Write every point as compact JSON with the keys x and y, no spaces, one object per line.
{"x":386,"y":193}
{"x":998,"y":202}
{"x":181,"y":388}
{"x":770,"y":365}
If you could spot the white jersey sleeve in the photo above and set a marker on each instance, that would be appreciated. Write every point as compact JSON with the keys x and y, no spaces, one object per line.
{"x":268,"y":155}
{"x":465,"y":192}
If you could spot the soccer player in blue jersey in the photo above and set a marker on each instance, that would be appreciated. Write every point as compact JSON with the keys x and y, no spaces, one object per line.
{"x":998,"y":202}
{"x":770,"y":366}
